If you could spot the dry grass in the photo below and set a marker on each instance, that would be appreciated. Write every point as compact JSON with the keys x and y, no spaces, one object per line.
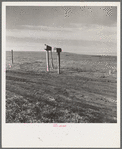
{"x":84,"y":92}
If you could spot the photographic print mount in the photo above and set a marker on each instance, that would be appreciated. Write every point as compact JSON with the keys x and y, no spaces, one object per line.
{"x":87,"y":89}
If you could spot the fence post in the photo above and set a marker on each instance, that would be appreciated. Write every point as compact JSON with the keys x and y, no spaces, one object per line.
{"x":12,"y":56}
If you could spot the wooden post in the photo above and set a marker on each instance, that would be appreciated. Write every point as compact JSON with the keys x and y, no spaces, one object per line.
{"x":48,"y":48}
{"x":58,"y":50}
{"x":12,"y":56}
{"x":47,"y":60}
{"x":52,"y":60}
{"x":58,"y":59}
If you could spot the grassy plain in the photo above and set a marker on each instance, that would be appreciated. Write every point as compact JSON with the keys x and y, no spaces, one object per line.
{"x":84,"y":92}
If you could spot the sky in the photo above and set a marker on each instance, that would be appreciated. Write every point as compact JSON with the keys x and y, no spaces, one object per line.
{"x":75,"y":29}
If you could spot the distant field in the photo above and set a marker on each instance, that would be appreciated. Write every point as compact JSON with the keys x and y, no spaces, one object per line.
{"x":84,"y":92}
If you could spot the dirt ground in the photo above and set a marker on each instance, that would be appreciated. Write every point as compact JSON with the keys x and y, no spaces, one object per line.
{"x":84,"y":92}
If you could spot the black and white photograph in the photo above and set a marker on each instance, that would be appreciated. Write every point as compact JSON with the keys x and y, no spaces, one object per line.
{"x":61,"y":64}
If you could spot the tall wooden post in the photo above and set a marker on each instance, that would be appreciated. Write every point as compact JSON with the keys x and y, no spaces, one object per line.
{"x":58,"y":60}
{"x":48,"y":48}
{"x":47,"y":60}
{"x":58,"y":50}
{"x":12,"y":56}
{"x":52,"y":60}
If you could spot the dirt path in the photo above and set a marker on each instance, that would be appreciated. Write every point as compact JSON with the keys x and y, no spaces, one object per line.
{"x":59,"y":98}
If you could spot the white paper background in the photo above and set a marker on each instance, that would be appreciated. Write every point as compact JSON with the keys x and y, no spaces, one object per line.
{"x":73,"y":135}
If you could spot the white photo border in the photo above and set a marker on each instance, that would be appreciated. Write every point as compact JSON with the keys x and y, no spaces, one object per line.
{"x":73,"y":135}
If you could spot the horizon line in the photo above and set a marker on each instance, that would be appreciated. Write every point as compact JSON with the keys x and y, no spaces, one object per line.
{"x":67,"y":52}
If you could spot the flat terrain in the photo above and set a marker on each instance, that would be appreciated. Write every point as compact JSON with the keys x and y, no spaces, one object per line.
{"x":84,"y":92}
